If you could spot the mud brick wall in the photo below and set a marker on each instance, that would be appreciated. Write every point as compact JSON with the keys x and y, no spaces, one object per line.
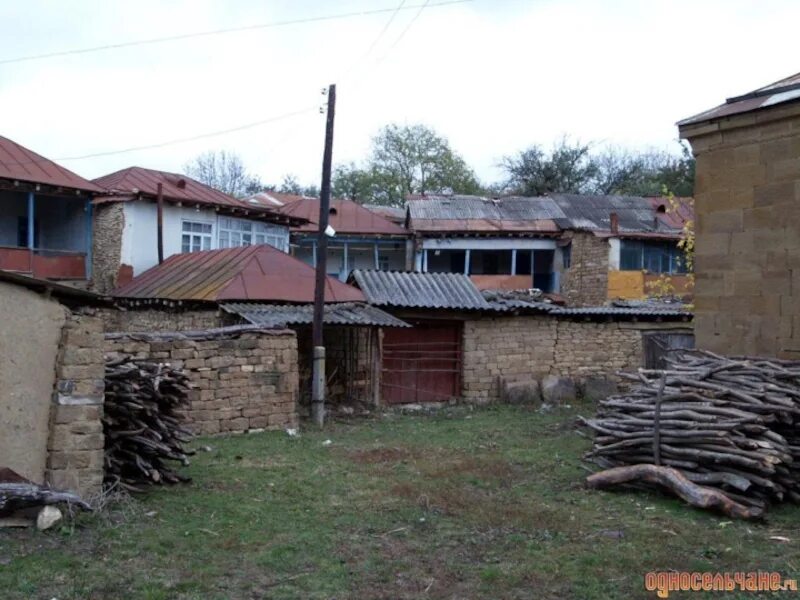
{"x":244,"y":378}
{"x":165,"y":319}
{"x":585,"y":282}
{"x":530,"y":347}
{"x":75,"y":446}
{"x":747,"y":205}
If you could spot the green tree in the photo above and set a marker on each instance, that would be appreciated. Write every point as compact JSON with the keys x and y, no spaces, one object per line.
{"x":568,"y":167}
{"x":405,"y":160}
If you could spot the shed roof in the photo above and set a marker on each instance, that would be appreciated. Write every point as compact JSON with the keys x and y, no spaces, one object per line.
{"x":346,"y":217}
{"x":246,"y":273}
{"x":19,"y":163}
{"x":781,"y":92}
{"x":419,"y":290}
{"x":281,"y":315}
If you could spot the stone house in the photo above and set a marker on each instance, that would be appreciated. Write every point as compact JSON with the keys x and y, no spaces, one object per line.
{"x":588,"y":249}
{"x":363,"y":239}
{"x":45,"y":217}
{"x":747,"y":252}
{"x":194,"y":217}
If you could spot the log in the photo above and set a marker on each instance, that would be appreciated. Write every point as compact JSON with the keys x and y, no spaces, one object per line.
{"x":672,"y":480}
{"x":15,"y":496}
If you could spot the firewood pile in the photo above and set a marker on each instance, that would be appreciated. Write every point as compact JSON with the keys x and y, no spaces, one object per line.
{"x":718,"y":432}
{"x":142,"y":423}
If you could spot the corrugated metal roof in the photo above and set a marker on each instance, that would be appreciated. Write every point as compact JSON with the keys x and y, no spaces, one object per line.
{"x":616,"y":311}
{"x":539,"y":215}
{"x":247,"y":273}
{"x":133,"y":181}
{"x":346,"y":217}
{"x":780,"y":92}
{"x":395,"y":214}
{"x":19,"y":163}
{"x":281,"y":315}
{"x":419,"y":290}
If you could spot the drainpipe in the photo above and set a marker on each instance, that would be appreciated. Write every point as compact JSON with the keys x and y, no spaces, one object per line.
{"x":614,"y":218}
{"x":160,"y":222}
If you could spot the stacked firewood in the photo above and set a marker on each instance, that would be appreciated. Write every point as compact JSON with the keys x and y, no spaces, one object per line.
{"x":142,"y":423}
{"x":706,"y":424}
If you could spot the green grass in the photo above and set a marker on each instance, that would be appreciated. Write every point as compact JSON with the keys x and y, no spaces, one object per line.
{"x":466,"y":504}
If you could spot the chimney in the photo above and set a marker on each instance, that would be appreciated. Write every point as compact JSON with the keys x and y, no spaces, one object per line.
{"x":614,"y":218}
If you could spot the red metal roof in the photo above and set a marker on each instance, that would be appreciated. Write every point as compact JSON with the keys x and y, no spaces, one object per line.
{"x":346,"y":217}
{"x":780,"y":92}
{"x":19,"y":163}
{"x":246,"y":273}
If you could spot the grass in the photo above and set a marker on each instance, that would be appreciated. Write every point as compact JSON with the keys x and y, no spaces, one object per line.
{"x":481,"y":503}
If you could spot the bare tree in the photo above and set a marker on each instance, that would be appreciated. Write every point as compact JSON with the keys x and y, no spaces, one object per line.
{"x":223,"y":171}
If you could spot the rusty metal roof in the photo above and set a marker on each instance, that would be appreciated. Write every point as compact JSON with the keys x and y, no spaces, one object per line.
{"x":780,"y":92}
{"x":246,"y":273}
{"x":132,"y":182}
{"x":346,"y":217}
{"x":281,"y":315}
{"x":19,"y":163}
{"x":419,"y":290}
{"x":395,"y":214}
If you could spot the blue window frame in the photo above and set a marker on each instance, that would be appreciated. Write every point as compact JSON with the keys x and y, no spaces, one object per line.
{"x":654,"y":257}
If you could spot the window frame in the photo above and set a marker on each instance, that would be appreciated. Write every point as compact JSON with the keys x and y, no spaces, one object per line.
{"x":200,"y":233}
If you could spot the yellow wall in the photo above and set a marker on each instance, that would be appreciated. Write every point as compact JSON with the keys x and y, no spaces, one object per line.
{"x":626,"y":284}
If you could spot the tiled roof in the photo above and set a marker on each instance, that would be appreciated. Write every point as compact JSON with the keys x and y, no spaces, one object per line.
{"x":247,"y":273}
{"x":774,"y":94}
{"x":419,"y":290}
{"x":346,"y":217}
{"x":281,"y":315}
{"x":19,"y":163}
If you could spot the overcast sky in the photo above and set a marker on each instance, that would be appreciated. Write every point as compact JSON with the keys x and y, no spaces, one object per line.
{"x":493,"y":76}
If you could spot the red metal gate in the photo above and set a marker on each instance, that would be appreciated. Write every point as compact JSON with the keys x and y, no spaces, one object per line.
{"x":422,"y":364}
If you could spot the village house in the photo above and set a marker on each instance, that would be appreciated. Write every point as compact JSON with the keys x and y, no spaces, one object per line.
{"x":45,"y":217}
{"x":195,"y":217}
{"x":588,"y":249}
{"x":363,"y":239}
{"x":747,"y":252}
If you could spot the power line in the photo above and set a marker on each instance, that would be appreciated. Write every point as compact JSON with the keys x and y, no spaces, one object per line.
{"x":198,"y":34}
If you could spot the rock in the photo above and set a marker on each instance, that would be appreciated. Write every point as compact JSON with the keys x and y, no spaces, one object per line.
{"x":558,"y":390}
{"x":521,"y":392}
{"x":327,"y":443}
{"x":292,"y":432}
{"x":597,"y":388}
{"x":48,"y":516}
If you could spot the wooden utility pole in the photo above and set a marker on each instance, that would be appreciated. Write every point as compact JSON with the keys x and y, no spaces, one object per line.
{"x":318,"y":374}
{"x":160,"y":222}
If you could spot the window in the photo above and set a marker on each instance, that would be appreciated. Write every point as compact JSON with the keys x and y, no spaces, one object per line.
{"x":238,"y":232}
{"x":654,"y":257}
{"x":566,"y":256}
{"x":383,"y":263}
{"x":195,"y":236}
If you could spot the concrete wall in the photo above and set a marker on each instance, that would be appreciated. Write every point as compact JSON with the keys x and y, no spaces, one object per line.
{"x":243,"y":380}
{"x":29,"y":339}
{"x":530,"y":347}
{"x":747,"y":254}
{"x":585,"y":283}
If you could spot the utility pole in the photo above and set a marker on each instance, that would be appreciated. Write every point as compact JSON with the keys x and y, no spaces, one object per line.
{"x":318,"y":374}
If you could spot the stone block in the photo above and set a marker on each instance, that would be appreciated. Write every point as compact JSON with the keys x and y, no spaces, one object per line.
{"x":558,"y":390}
{"x":521,"y":392}
{"x":597,"y":388}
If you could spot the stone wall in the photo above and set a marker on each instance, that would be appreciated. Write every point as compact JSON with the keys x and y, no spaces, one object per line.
{"x":245,"y":378}
{"x":165,"y":319}
{"x":530,"y":347}
{"x":109,"y":222}
{"x":585,"y":282}
{"x":747,"y":253}
{"x":75,"y":445}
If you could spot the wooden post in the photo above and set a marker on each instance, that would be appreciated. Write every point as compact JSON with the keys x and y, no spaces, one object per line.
{"x":377,"y":353}
{"x":318,"y":377}
{"x":160,"y":222}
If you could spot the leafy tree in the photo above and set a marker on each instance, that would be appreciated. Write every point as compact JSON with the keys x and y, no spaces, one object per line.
{"x":568,"y":167}
{"x":223,"y":171}
{"x":645,"y":173}
{"x":405,"y":160}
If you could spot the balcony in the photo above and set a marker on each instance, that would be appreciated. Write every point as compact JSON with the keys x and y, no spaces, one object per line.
{"x":45,"y":236}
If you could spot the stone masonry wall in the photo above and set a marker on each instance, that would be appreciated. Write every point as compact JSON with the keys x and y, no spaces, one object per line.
{"x":163,"y":319}
{"x":530,"y":347}
{"x":747,"y":252}
{"x":75,"y":447}
{"x":585,"y":282}
{"x":109,"y":222}
{"x":245,"y":379}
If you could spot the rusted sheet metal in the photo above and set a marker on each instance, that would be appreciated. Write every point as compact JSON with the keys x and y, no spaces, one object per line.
{"x":780,"y":92}
{"x":246,"y":273}
{"x":344,"y":313}
{"x":19,"y":163}
{"x":419,"y":290}
{"x":129,"y":183}
{"x":346,"y":217}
